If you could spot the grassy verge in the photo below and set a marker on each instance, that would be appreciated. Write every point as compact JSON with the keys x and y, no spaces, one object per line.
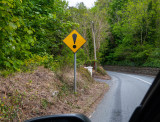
{"x":101,"y":73}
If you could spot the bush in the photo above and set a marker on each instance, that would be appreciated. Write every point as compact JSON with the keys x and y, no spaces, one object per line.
{"x":101,"y":70}
{"x":90,"y":62}
{"x":82,"y":57}
{"x":154,"y":59}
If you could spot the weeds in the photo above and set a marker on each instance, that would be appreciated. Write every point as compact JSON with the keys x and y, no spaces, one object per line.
{"x":10,"y":107}
{"x":101,"y":71}
{"x":44,"y":103}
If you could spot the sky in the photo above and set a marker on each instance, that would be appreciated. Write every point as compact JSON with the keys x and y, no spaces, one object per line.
{"x":88,"y":3}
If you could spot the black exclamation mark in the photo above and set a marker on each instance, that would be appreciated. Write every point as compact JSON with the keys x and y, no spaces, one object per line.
{"x":74,"y":39}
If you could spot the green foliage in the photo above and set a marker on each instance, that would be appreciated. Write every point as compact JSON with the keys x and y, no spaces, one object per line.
{"x":154,"y":59}
{"x":103,"y":51}
{"x":29,"y":29}
{"x":31,"y":33}
{"x":15,"y":36}
{"x":82,"y":57}
{"x":90,"y":62}
{"x":44,"y":103}
{"x":134,"y":33}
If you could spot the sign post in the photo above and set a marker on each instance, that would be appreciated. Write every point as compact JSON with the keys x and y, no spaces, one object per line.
{"x":75,"y":73}
{"x":74,"y":41}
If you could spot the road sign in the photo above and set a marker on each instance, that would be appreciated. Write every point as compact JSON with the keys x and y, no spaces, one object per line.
{"x":74,"y":41}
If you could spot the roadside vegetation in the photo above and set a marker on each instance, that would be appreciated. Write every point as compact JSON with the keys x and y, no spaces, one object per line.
{"x":31,"y":34}
{"x":36,"y":66}
{"x":126,"y":32}
{"x":134,"y":32}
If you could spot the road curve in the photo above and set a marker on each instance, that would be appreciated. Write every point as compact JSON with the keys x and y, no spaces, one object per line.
{"x":125,"y":93}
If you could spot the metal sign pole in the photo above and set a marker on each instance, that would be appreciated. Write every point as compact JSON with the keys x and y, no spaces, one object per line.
{"x":75,"y":73}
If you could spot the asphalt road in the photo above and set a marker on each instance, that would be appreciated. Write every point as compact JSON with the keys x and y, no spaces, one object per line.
{"x":125,"y":93}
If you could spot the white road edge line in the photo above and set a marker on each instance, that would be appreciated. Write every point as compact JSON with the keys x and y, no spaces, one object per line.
{"x":137,"y":78}
{"x":140,"y":79}
{"x":91,"y":114}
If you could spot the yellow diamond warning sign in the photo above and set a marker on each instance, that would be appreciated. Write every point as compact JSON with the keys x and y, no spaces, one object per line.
{"x":74,"y":41}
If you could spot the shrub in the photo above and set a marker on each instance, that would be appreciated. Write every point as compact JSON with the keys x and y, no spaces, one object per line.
{"x":101,"y":70}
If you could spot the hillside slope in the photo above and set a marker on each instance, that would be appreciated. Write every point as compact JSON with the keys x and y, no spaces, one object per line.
{"x":43,"y":92}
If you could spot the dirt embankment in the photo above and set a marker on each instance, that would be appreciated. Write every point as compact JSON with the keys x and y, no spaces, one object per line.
{"x":43,"y":92}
